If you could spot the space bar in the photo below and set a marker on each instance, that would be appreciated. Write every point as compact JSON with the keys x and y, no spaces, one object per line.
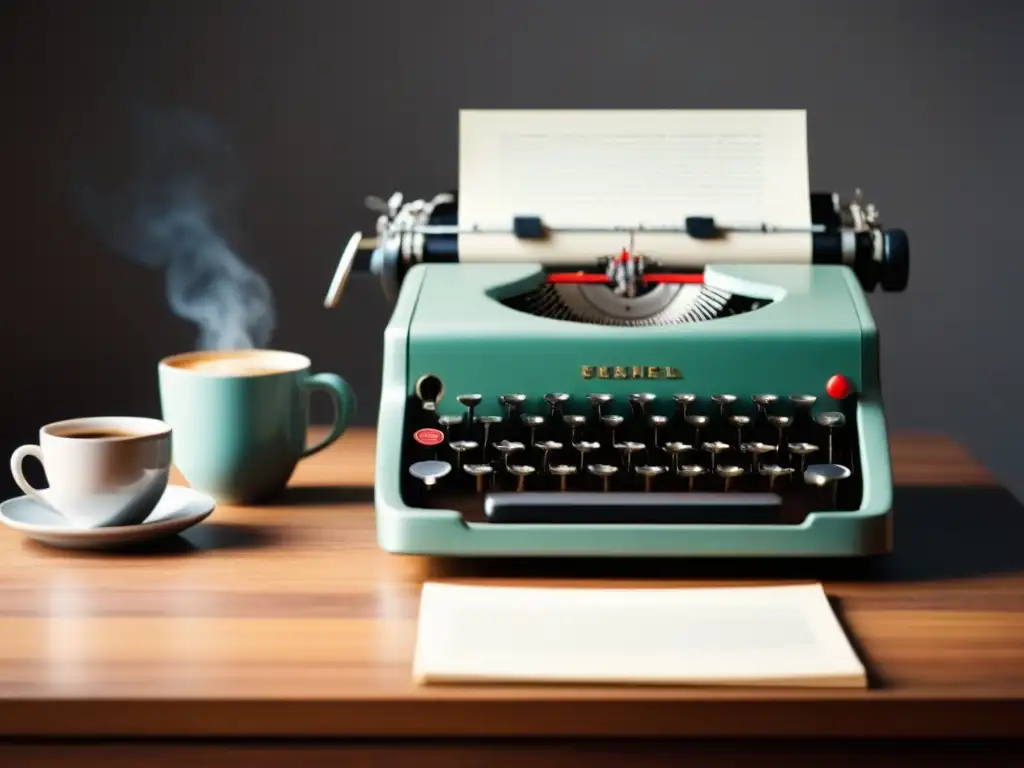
{"x":626,"y":507}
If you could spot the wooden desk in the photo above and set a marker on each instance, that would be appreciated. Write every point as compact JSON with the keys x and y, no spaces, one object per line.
{"x":286,"y":622}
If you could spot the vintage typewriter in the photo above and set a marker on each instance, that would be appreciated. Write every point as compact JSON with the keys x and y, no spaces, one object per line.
{"x":626,"y":406}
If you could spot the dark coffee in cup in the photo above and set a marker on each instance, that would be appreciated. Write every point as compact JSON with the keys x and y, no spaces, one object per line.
{"x":97,"y":434}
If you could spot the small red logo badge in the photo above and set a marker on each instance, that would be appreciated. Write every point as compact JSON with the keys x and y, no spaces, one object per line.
{"x":428,"y":436}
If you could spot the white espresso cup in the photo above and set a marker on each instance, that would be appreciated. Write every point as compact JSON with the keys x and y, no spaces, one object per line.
{"x":102,"y":471}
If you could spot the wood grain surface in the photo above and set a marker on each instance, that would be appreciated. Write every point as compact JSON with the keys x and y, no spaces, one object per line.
{"x":286,"y":621}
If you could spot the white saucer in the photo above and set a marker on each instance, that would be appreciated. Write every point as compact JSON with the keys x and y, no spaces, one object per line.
{"x":179,"y":508}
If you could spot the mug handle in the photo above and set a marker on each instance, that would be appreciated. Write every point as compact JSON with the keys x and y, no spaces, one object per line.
{"x":344,"y":405}
{"x":17,"y":458}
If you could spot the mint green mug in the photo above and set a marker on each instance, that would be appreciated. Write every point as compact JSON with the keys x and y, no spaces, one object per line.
{"x":240,"y":417}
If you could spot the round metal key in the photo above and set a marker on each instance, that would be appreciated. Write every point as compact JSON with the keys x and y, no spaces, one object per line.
{"x":675,"y":448}
{"x":648,"y":473}
{"x":684,"y":400}
{"x":656,"y":422}
{"x":429,"y":472}
{"x":627,"y":449}
{"x":803,"y":450}
{"x":738,"y":422}
{"x":470,"y":401}
{"x":531,"y":422}
{"x":827,"y":476}
{"x":511,"y":402}
{"x":691,"y":472}
{"x":773,"y":472}
{"x":723,"y":401}
{"x":449,"y":420}
{"x":698,"y":423}
{"x":545,"y":447}
{"x":521,"y":471}
{"x":603,"y":471}
{"x":757,"y":450}
{"x":613,"y":422}
{"x":584,"y":447}
{"x":555,"y":401}
{"x":714,"y":448}
{"x":729,"y":472}
{"x":507,"y":447}
{"x":803,"y":401}
{"x":479,"y":471}
{"x":562,"y":472}
{"x":487,"y":422}
{"x":831,"y":420}
{"x":460,"y":447}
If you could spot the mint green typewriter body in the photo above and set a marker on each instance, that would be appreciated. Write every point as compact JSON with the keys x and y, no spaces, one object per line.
{"x":451,"y":322}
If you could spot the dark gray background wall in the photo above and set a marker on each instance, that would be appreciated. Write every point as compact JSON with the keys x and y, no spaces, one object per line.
{"x":918,"y":102}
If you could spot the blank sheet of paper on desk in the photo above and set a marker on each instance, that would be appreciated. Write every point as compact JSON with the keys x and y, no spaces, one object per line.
{"x":624,"y":168}
{"x":784,"y":636}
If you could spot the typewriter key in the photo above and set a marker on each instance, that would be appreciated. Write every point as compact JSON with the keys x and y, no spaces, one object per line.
{"x":756,"y":450}
{"x":584,"y":448}
{"x":555,"y":401}
{"x":470,"y":402}
{"x":507,"y":447}
{"x":479,"y":471}
{"x":448,"y":420}
{"x":648,"y":473}
{"x":430,"y":471}
{"x":803,"y":450}
{"x":612,"y":422}
{"x":531,"y":423}
{"x":728,"y":473}
{"x":715,"y":448}
{"x":656,"y":422}
{"x":627,"y":449}
{"x":603,"y":471}
{"x":781,"y":423}
{"x":487,"y":422}
{"x":691,"y":472}
{"x":546,"y":446}
{"x":803,"y":401}
{"x":674,"y":449}
{"x":684,"y":401}
{"x":574,"y":422}
{"x":460,"y":447}
{"x":723,"y":401}
{"x":521,"y":471}
{"x":827,"y":476}
{"x":764,"y":402}
{"x":599,"y":401}
{"x":698,"y":423}
{"x":773,"y":472}
{"x":641,"y":400}
{"x":830,"y":420}
{"x":738,"y":423}
{"x":511,"y":403}
{"x":562,"y":472}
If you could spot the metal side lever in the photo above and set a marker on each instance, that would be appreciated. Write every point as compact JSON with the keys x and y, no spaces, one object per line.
{"x":627,"y":507}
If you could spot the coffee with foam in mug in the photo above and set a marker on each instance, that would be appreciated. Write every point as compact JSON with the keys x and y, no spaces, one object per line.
{"x":240,"y":418}
{"x":102,"y":471}
{"x":234,"y":363}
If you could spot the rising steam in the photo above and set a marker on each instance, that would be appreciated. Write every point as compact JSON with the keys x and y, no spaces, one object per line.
{"x":164,"y":200}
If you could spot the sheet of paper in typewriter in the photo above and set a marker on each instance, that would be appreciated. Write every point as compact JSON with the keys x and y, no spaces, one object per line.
{"x":608,"y":168}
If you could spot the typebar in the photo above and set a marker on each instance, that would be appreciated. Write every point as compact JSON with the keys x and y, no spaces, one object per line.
{"x":640,"y":508}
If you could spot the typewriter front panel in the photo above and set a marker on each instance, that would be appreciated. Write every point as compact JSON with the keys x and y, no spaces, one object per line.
{"x":635,"y":427}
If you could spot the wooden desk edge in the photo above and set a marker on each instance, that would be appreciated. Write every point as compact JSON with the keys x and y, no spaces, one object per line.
{"x":875,"y":718}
